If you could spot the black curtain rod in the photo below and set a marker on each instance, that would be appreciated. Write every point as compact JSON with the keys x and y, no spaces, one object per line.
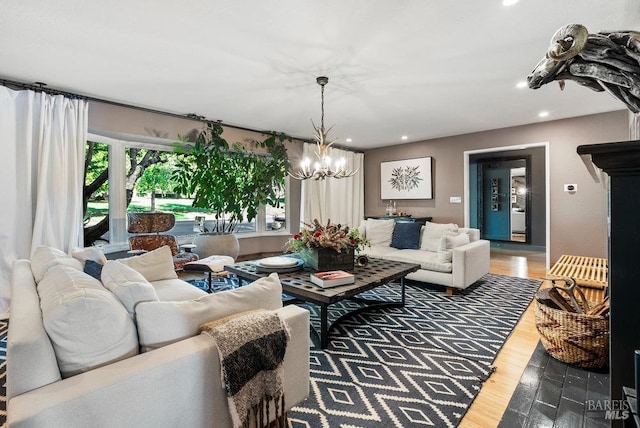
{"x":42,"y":87}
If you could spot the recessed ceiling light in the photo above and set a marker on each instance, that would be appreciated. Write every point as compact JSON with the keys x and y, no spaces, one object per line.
{"x":521,"y":85}
{"x":404,"y":137}
{"x":348,"y":140}
{"x":543,"y":114}
{"x":509,"y":2}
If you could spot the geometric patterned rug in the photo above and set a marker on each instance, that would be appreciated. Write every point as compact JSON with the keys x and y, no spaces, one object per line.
{"x":4,"y":329}
{"x":217,"y":284}
{"x":420,"y":365}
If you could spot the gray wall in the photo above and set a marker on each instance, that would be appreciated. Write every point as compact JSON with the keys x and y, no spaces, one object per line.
{"x":578,"y":221}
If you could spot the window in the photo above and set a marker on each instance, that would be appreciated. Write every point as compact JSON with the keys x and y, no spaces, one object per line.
{"x":133,"y":176}
{"x":275,"y":212}
{"x":96,"y":193}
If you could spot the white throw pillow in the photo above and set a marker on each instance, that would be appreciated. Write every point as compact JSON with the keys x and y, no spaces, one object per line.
{"x":432,"y":232}
{"x":380,"y":231}
{"x":162,"y":323}
{"x":448,"y":243}
{"x":154,"y":265}
{"x":89,"y":253}
{"x":129,"y":286}
{"x":474,"y":234}
{"x":45,"y":257}
{"x":61,"y":277}
{"x":87,"y":325}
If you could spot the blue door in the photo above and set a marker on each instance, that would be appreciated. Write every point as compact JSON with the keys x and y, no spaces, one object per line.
{"x":496,"y":203}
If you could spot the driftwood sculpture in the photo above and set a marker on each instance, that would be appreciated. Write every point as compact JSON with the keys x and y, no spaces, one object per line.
{"x":605,"y":61}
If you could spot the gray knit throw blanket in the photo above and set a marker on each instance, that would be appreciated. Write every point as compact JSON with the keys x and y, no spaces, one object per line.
{"x":251,"y":347}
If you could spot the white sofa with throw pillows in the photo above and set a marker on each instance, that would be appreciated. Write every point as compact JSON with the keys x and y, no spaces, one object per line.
{"x":125,"y":350}
{"x":448,"y":255}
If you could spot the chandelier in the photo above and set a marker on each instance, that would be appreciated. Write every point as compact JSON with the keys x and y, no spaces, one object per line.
{"x":324,"y":166}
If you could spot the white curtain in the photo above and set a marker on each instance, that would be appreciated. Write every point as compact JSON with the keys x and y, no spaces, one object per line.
{"x":42,"y":141}
{"x":338,"y":200}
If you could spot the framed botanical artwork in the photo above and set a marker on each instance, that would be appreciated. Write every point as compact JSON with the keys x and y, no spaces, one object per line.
{"x":406,"y":179}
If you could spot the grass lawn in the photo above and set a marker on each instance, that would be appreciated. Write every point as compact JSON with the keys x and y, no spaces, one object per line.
{"x":180,"y":207}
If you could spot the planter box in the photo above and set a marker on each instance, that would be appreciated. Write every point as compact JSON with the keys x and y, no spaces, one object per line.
{"x":323,"y":259}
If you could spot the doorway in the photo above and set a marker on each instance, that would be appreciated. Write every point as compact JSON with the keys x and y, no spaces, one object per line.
{"x":536,"y":181}
{"x":519,"y":203}
{"x":502,"y":199}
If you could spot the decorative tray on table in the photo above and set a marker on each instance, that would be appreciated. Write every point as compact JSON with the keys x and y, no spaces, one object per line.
{"x":281,"y":264}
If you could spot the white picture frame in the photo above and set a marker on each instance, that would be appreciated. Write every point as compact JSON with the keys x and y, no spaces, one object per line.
{"x":406,"y":179}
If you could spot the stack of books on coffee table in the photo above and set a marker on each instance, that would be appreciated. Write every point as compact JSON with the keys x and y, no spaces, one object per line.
{"x":332,"y":278}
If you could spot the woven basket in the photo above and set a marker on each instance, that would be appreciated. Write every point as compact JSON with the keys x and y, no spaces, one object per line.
{"x":577,"y":339}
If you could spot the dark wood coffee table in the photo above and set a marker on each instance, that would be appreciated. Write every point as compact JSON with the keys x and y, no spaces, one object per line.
{"x":298,"y":285}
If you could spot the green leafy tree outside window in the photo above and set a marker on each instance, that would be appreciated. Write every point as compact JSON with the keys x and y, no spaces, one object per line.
{"x":96,"y":175}
{"x":232,"y":181}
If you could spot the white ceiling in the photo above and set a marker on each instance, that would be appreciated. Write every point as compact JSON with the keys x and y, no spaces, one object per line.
{"x":420,"y":68}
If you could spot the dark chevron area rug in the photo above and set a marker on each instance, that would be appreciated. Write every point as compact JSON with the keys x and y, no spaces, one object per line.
{"x":420,"y":365}
{"x":217,"y":284}
{"x":4,"y":329}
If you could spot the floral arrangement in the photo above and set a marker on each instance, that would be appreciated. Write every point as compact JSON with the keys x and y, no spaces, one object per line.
{"x":340,"y":238}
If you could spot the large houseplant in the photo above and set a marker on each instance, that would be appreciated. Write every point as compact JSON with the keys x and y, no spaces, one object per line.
{"x":231,"y":180}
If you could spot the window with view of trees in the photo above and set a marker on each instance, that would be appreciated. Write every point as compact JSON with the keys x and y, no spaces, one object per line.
{"x":147,"y":186}
{"x":96,"y":193}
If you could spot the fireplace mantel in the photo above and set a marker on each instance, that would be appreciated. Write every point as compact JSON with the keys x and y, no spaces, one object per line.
{"x":621,"y":161}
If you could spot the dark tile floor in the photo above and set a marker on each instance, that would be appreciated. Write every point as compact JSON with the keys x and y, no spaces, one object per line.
{"x":554,"y":394}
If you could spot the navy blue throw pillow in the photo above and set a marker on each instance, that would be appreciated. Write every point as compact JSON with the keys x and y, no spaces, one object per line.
{"x":94,"y":269}
{"x":406,"y":235}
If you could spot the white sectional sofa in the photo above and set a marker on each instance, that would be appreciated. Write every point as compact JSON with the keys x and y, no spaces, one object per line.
{"x":448,"y":255}
{"x":125,"y":351}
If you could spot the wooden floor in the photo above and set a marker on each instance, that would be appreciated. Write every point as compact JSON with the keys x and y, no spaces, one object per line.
{"x":488,"y":407}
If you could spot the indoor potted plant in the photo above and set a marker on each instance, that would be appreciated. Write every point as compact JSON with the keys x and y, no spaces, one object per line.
{"x":230,"y":180}
{"x":327,"y":247}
